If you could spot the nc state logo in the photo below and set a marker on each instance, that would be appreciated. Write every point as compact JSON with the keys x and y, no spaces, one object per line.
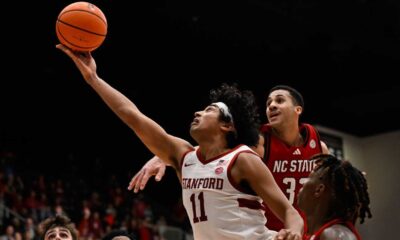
{"x":312,"y":144}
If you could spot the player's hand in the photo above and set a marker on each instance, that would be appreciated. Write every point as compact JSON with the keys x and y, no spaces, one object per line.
{"x":153,"y":167}
{"x":83,"y":60}
{"x":287,"y":234}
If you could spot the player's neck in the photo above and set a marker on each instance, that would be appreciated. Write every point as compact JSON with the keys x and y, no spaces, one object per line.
{"x":318,"y":217}
{"x":210,"y":150}
{"x":290,"y":135}
{"x":315,"y":222}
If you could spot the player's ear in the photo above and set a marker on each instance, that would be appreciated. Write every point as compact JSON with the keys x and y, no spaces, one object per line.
{"x":319,"y":190}
{"x":298,"y":109}
{"x":228,"y":127}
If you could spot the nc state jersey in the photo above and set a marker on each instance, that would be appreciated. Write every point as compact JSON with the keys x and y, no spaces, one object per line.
{"x":289,"y":165}
{"x":318,"y":233}
{"x":216,"y":206}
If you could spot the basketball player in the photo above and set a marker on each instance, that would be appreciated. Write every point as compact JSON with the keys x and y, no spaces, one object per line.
{"x":223,"y":181}
{"x":333,"y":198}
{"x":58,"y":228}
{"x":286,"y":146}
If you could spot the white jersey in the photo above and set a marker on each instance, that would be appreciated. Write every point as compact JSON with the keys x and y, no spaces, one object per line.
{"x":216,"y":207}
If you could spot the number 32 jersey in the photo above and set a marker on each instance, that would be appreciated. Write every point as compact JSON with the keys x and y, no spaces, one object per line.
{"x":216,"y":206}
{"x":289,"y":165}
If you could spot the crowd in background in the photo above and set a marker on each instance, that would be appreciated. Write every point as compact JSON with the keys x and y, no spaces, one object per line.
{"x":97,"y":202}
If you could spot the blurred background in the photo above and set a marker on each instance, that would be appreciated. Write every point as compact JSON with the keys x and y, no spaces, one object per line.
{"x":61,"y":147}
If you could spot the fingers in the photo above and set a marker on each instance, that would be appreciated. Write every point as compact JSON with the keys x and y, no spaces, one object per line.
{"x":62,"y":48}
{"x":286,"y":234}
{"x":160,"y":173}
{"x":146,"y":175}
{"x":66,"y":50}
{"x":281,"y":235}
{"x":139,"y":180}
{"x":133,"y":183}
{"x":154,"y":167}
{"x":143,"y":181}
{"x":72,"y":53}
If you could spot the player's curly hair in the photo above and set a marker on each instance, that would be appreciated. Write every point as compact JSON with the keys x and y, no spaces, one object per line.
{"x":350,"y":198}
{"x":58,"y":221}
{"x":242,"y":105}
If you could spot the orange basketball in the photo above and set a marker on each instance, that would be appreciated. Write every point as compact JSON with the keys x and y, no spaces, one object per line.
{"x":81,"y":26}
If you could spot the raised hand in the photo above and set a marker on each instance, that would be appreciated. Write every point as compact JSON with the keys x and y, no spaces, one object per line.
{"x":153,"y":167}
{"x":84,"y":61}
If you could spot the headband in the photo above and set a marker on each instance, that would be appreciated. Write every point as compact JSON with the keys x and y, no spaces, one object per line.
{"x":224,"y":109}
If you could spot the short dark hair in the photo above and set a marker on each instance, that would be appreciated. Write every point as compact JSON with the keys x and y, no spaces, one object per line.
{"x":296,"y":95}
{"x":59,"y":221}
{"x":118,"y":233}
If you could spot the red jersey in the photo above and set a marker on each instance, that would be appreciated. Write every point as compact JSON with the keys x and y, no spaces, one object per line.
{"x":289,"y":165}
{"x":316,"y":235}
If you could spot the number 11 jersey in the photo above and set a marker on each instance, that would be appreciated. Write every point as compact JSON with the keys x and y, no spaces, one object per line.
{"x":217,"y":207}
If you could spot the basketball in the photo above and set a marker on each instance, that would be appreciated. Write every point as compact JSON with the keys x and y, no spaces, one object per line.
{"x":81,"y":26}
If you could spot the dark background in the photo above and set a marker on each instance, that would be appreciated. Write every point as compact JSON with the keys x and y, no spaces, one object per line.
{"x":166,"y":55}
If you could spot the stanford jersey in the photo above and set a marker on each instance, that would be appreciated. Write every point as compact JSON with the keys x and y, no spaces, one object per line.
{"x":289,"y":165}
{"x":216,"y":206}
{"x":349,"y":225}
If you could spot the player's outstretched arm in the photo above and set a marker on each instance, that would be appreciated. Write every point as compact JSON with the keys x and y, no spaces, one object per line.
{"x":169,"y":148}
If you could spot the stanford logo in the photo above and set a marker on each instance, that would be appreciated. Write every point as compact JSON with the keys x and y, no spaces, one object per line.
{"x":219,"y":170}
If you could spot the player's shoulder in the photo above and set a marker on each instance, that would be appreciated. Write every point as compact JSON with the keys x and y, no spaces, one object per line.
{"x":247,"y":156}
{"x":307,"y":126}
{"x":244,"y":150}
{"x":338,"y":232}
